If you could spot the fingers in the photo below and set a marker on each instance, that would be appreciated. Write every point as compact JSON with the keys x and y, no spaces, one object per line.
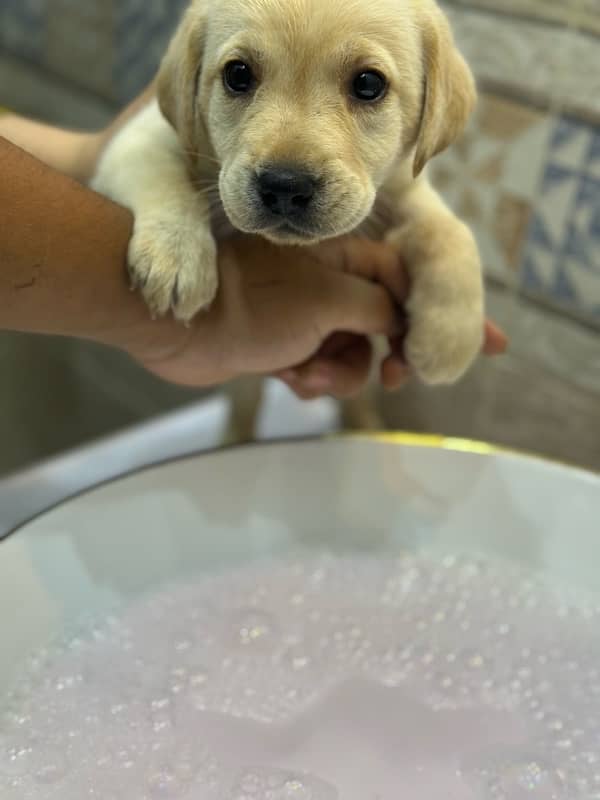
{"x":376,"y":261}
{"x":373,"y":261}
{"x":496,"y":341}
{"x":395,"y":374}
{"x":333,"y":371}
{"x":342,"y":366}
{"x":359,"y":307}
{"x":395,"y":371}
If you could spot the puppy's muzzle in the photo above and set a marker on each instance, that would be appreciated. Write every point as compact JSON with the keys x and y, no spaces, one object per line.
{"x":285,"y":193}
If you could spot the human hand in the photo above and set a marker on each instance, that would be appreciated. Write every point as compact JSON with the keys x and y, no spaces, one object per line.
{"x":340,"y":362}
{"x":276,"y":307}
{"x":314,"y":307}
{"x":343,"y":364}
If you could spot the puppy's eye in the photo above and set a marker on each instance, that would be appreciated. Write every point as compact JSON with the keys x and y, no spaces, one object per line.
{"x":238,"y":77}
{"x":368,"y":86}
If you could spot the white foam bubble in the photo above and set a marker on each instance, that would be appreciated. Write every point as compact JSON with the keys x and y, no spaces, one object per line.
{"x":319,"y":680}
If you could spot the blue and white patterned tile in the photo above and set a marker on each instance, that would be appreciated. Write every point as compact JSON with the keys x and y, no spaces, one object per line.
{"x":562,"y":258}
{"x":142,"y":32}
{"x":79,"y":44}
{"x":491,"y":177}
{"x":22,"y":28}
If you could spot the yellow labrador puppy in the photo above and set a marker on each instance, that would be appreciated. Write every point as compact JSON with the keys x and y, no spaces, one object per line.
{"x":301,"y":120}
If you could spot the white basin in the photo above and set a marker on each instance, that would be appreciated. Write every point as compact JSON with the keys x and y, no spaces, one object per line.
{"x":357,"y":496}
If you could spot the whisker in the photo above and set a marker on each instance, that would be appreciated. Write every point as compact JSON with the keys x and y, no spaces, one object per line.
{"x":206,"y":190}
{"x":206,"y":178}
{"x":204,"y":182}
{"x":198,"y":154}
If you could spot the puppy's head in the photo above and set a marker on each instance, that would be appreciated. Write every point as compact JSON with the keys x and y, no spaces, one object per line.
{"x":307,"y":106}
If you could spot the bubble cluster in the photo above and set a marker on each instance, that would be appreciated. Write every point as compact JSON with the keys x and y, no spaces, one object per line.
{"x":319,"y":680}
{"x":275,"y":784}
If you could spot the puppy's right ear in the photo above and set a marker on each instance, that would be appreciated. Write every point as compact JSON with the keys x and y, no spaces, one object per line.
{"x":178,"y":76}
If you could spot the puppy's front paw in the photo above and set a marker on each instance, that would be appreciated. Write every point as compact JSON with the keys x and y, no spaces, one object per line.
{"x":443,"y":343}
{"x":174,"y":266}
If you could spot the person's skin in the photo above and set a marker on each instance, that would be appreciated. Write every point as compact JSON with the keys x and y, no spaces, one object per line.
{"x":74,"y":153}
{"x":62,"y":271}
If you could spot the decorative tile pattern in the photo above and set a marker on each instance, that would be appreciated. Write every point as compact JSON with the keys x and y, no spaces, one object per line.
{"x":548,"y":65}
{"x":110,"y":47}
{"x":580,"y":81}
{"x":562,"y":258}
{"x":142,"y":31}
{"x":22,"y":27}
{"x":585,"y":13}
{"x":490,"y":178}
{"x":79,"y":43}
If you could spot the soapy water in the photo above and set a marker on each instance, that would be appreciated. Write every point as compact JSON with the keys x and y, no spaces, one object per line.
{"x":336,"y":679}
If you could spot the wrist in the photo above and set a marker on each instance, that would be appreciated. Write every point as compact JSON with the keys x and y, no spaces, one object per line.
{"x":211,"y":349}
{"x":188,"y":356}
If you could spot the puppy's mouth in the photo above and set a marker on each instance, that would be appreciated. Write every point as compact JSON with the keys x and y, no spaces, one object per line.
{"x":290,"y":206}
{"x":282,"y":230}
{"x":288,"y":232}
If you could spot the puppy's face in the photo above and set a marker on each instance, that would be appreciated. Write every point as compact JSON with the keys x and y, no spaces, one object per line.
{"x":306,"y":105}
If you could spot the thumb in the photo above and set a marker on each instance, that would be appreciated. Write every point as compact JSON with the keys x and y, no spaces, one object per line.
{"x":373,"y":261}
{"x":358,"y":306}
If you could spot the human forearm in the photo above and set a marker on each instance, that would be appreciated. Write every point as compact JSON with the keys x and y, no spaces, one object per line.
{"x":63,"y":150}
{"x":63,"y":271}
{"x":73,"y":153}
{"x":62,"y":259}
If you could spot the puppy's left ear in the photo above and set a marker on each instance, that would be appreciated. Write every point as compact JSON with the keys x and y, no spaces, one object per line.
{"x":177,"y":80}
{"x":449,"y":90}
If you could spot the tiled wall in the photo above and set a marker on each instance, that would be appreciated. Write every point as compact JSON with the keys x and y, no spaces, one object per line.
{"x":142,"y":28}
{"x":111,"y":47}
{"x":22,"y":27}
{"x":526,"y":175}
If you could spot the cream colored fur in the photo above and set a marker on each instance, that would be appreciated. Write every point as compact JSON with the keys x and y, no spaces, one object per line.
{"x":184,"y":165}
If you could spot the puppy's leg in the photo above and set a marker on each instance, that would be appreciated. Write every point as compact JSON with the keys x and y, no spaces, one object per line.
{"x":362,"y":413}
{"x":245,"y":397}
{"x":446,"y":303}
{"x":172,"y":255}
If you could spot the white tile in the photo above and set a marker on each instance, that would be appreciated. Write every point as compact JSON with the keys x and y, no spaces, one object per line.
{"x":555,"y":205}
{"x":525,"y":160}
{"x":573,"y":152}
{"x":545,"y":265}
{"x":586,"y":283}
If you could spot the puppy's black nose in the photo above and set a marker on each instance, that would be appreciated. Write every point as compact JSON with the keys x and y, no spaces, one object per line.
{"x":285,"y":192}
